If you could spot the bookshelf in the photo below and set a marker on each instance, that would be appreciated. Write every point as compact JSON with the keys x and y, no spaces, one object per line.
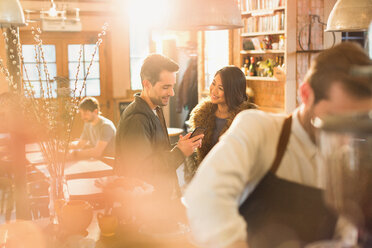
{"x":253,"y":34}
{"x":269,"y":36}
{"x":244,"y":52}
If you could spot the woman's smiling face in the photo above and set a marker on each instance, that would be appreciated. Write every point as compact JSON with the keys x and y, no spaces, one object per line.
{"x":216,"y":91}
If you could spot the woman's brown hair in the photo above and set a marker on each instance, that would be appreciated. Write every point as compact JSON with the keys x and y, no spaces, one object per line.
{"x":234,"y":86}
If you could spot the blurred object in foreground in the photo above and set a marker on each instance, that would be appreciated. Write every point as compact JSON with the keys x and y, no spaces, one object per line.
{"x":362,"y":71}
{"x":346,"y":147}
{"x":21,"y":234}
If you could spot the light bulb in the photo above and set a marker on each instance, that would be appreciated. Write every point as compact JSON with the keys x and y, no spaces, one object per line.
{"x":52,"y":11}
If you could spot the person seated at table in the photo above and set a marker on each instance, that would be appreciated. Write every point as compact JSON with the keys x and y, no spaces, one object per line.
{"x":227,"y":97}
{"x":98,"y":137}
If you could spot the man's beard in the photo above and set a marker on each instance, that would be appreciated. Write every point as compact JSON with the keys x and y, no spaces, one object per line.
{"x":157,"y":101}
{"x":90,"y":120}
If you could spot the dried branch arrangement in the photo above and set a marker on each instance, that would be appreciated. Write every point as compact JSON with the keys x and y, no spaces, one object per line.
{"x":51,"y":117}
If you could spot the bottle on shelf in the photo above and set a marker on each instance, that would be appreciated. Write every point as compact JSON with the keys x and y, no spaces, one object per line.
{"x":279,"y":61}
{"x":283,"y":64}
{"x":281,"y":42}
{"x":252,"y":67}
{"x":259,"y":71}
{"x":246,"y":66}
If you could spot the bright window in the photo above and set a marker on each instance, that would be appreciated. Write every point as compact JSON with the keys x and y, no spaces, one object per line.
{"x":36,"y":69}
{"x":139,"y":49}
{"x":139,"y":40}
{"x":216,"y":53}
{"x":93,"y":80}
{"x":143,"y":16}
{"x":40,"y":72}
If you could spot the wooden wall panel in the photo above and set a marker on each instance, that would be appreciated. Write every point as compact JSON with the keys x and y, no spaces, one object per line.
{"x":270,"y":94}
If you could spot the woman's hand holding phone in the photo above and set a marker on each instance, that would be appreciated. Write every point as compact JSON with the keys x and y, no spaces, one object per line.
{"x":197,"y":131}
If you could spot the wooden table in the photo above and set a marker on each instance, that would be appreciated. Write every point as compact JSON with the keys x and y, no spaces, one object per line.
{"x":88,"y":168}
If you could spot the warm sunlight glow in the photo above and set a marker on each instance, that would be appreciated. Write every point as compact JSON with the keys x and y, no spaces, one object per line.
{"x":149,"y":13}
{"x":52,"y":11}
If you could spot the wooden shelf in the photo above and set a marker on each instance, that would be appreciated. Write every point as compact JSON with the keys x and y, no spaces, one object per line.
{"x":261,"y":51}
{"x":262,"y":12}
{"x":275,"y":94}
{"x":262,"y":33}
{"x":272,"y":79}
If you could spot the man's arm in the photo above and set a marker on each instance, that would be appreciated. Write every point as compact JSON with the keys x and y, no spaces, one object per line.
{"x":230,"y":168}
{"x":83,"y":140}
{"x":80,"y":144}
{"x":94,"y":152}
{"x":107,"y":133}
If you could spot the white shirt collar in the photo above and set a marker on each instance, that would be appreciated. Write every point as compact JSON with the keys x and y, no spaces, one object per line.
{"x":300,"y":132}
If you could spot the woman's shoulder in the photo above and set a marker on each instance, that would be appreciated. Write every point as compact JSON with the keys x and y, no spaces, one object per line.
{"x":247,"y":105}
{"x":205,"y":107}
{"x":243,"y":106}
{"x":202,"y":113}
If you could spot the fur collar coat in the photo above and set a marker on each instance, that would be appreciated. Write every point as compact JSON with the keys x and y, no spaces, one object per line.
{"x":203,"y":115}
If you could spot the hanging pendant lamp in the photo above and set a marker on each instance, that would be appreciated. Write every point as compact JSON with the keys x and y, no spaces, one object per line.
{"x":350,"y":15}
{"x":204,"y":15}
{"x":11,"y":13}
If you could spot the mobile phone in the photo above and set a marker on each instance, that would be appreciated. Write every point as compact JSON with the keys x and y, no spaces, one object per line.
{"x":197,"y":131}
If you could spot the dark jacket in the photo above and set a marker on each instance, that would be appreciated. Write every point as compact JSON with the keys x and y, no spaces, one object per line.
{"x":203,"y":115}
{"x":187,"y":95}
{"x":143,"y":150}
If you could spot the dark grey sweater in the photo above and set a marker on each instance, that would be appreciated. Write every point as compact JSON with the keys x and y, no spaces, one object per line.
{"x":142,"y":148}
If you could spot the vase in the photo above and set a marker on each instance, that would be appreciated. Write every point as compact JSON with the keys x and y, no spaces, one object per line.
{"x":75,"y":217}
{"x":57,"y":197}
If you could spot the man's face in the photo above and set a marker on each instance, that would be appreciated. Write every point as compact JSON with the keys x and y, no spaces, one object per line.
{"x":163,"y":89}
{"x":338,"y":102}
{"x":88,"y":116}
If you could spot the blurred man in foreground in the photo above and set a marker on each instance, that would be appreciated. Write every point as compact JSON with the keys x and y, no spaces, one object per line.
{"x":253,"y":191}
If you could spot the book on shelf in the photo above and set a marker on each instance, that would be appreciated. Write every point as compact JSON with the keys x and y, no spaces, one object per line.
{"x":250,"y":5}
{"x":257,"y":44}
{"x":256,"y":24}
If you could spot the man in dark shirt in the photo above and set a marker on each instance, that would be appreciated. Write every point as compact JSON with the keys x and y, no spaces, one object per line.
{"x":143,"y":150}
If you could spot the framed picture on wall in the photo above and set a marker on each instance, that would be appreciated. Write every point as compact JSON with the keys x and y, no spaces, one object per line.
{"x":120,"y":105}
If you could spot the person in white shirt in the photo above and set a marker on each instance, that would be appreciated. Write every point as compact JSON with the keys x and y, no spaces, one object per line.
{"x":230,"y":174}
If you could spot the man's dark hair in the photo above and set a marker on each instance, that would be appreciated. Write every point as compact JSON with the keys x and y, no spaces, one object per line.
{"x":334,"y":65}
{"x":154,"y":64}
{"x":234,"y":86}
{"x":89,"y":103}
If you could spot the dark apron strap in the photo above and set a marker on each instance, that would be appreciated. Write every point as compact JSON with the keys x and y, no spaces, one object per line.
{"x":282,"y":144}
{"x":279,"y":211}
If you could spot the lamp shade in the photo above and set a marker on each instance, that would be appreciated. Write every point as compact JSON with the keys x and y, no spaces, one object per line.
{"x":11,"y":13}
{"x":350,"y":15}
{"x":204,"y":15}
